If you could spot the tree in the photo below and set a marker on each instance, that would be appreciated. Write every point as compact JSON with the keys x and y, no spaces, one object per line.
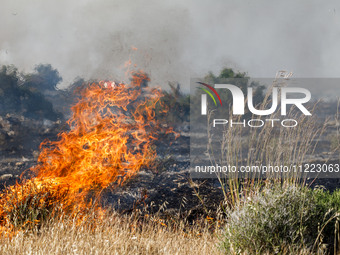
{"x":44,"y":79}
{"x":239,"y":79}
{"x":22,"y":99}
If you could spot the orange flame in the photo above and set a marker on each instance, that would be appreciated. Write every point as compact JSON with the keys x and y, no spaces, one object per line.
{"x":110,"y":139}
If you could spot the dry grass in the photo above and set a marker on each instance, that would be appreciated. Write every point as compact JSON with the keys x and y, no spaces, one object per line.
{"x":268,"y":145}
{"x":115,"y":234}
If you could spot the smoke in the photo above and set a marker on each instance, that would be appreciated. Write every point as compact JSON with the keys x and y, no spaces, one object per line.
{"x":175,"y":40}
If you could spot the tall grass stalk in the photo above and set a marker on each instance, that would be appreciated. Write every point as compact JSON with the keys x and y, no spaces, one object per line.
{"x":266,"y":145}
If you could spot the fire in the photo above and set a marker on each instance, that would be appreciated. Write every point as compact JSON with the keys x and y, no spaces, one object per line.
{"x":111,"y":136}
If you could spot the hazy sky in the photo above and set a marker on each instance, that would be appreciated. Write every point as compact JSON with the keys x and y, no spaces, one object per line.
{"x":175,"y":39}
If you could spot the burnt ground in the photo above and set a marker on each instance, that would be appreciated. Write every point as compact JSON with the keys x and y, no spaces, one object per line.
{"x":166,"y":188}
{"x":169,"y":189}
{"x":20,"y":138}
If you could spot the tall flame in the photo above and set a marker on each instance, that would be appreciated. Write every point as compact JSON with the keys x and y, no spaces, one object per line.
{"x":112,"y":129}
{"x":110,"y":139}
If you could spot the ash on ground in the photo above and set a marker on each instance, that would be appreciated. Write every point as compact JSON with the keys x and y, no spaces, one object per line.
{"x":167,"y":187}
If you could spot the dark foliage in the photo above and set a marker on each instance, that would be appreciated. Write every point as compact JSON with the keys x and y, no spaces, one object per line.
{"x":19,"y":94}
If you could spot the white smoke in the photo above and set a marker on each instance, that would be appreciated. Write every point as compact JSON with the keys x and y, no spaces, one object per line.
{"x":175,"y":39}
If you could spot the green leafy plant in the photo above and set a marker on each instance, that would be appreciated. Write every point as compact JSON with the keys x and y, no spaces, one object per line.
{"x":272,"y":219}
{"x":282,"y":217}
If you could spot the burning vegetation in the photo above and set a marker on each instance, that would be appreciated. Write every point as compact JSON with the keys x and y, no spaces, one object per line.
{"x":111,"y":136}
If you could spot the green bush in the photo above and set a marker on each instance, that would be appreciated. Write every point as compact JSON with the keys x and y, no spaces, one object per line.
{"x":327,"y":200}
{"x":328,"y":205}
{"x":272,"y":220}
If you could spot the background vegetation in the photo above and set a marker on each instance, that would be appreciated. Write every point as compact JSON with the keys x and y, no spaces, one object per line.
{"x":256,"y":217}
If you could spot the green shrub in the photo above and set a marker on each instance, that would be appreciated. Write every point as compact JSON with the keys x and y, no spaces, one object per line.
{"x":272,"y":220}
{"x":327,"y":200}
{"x":328,"y":205}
